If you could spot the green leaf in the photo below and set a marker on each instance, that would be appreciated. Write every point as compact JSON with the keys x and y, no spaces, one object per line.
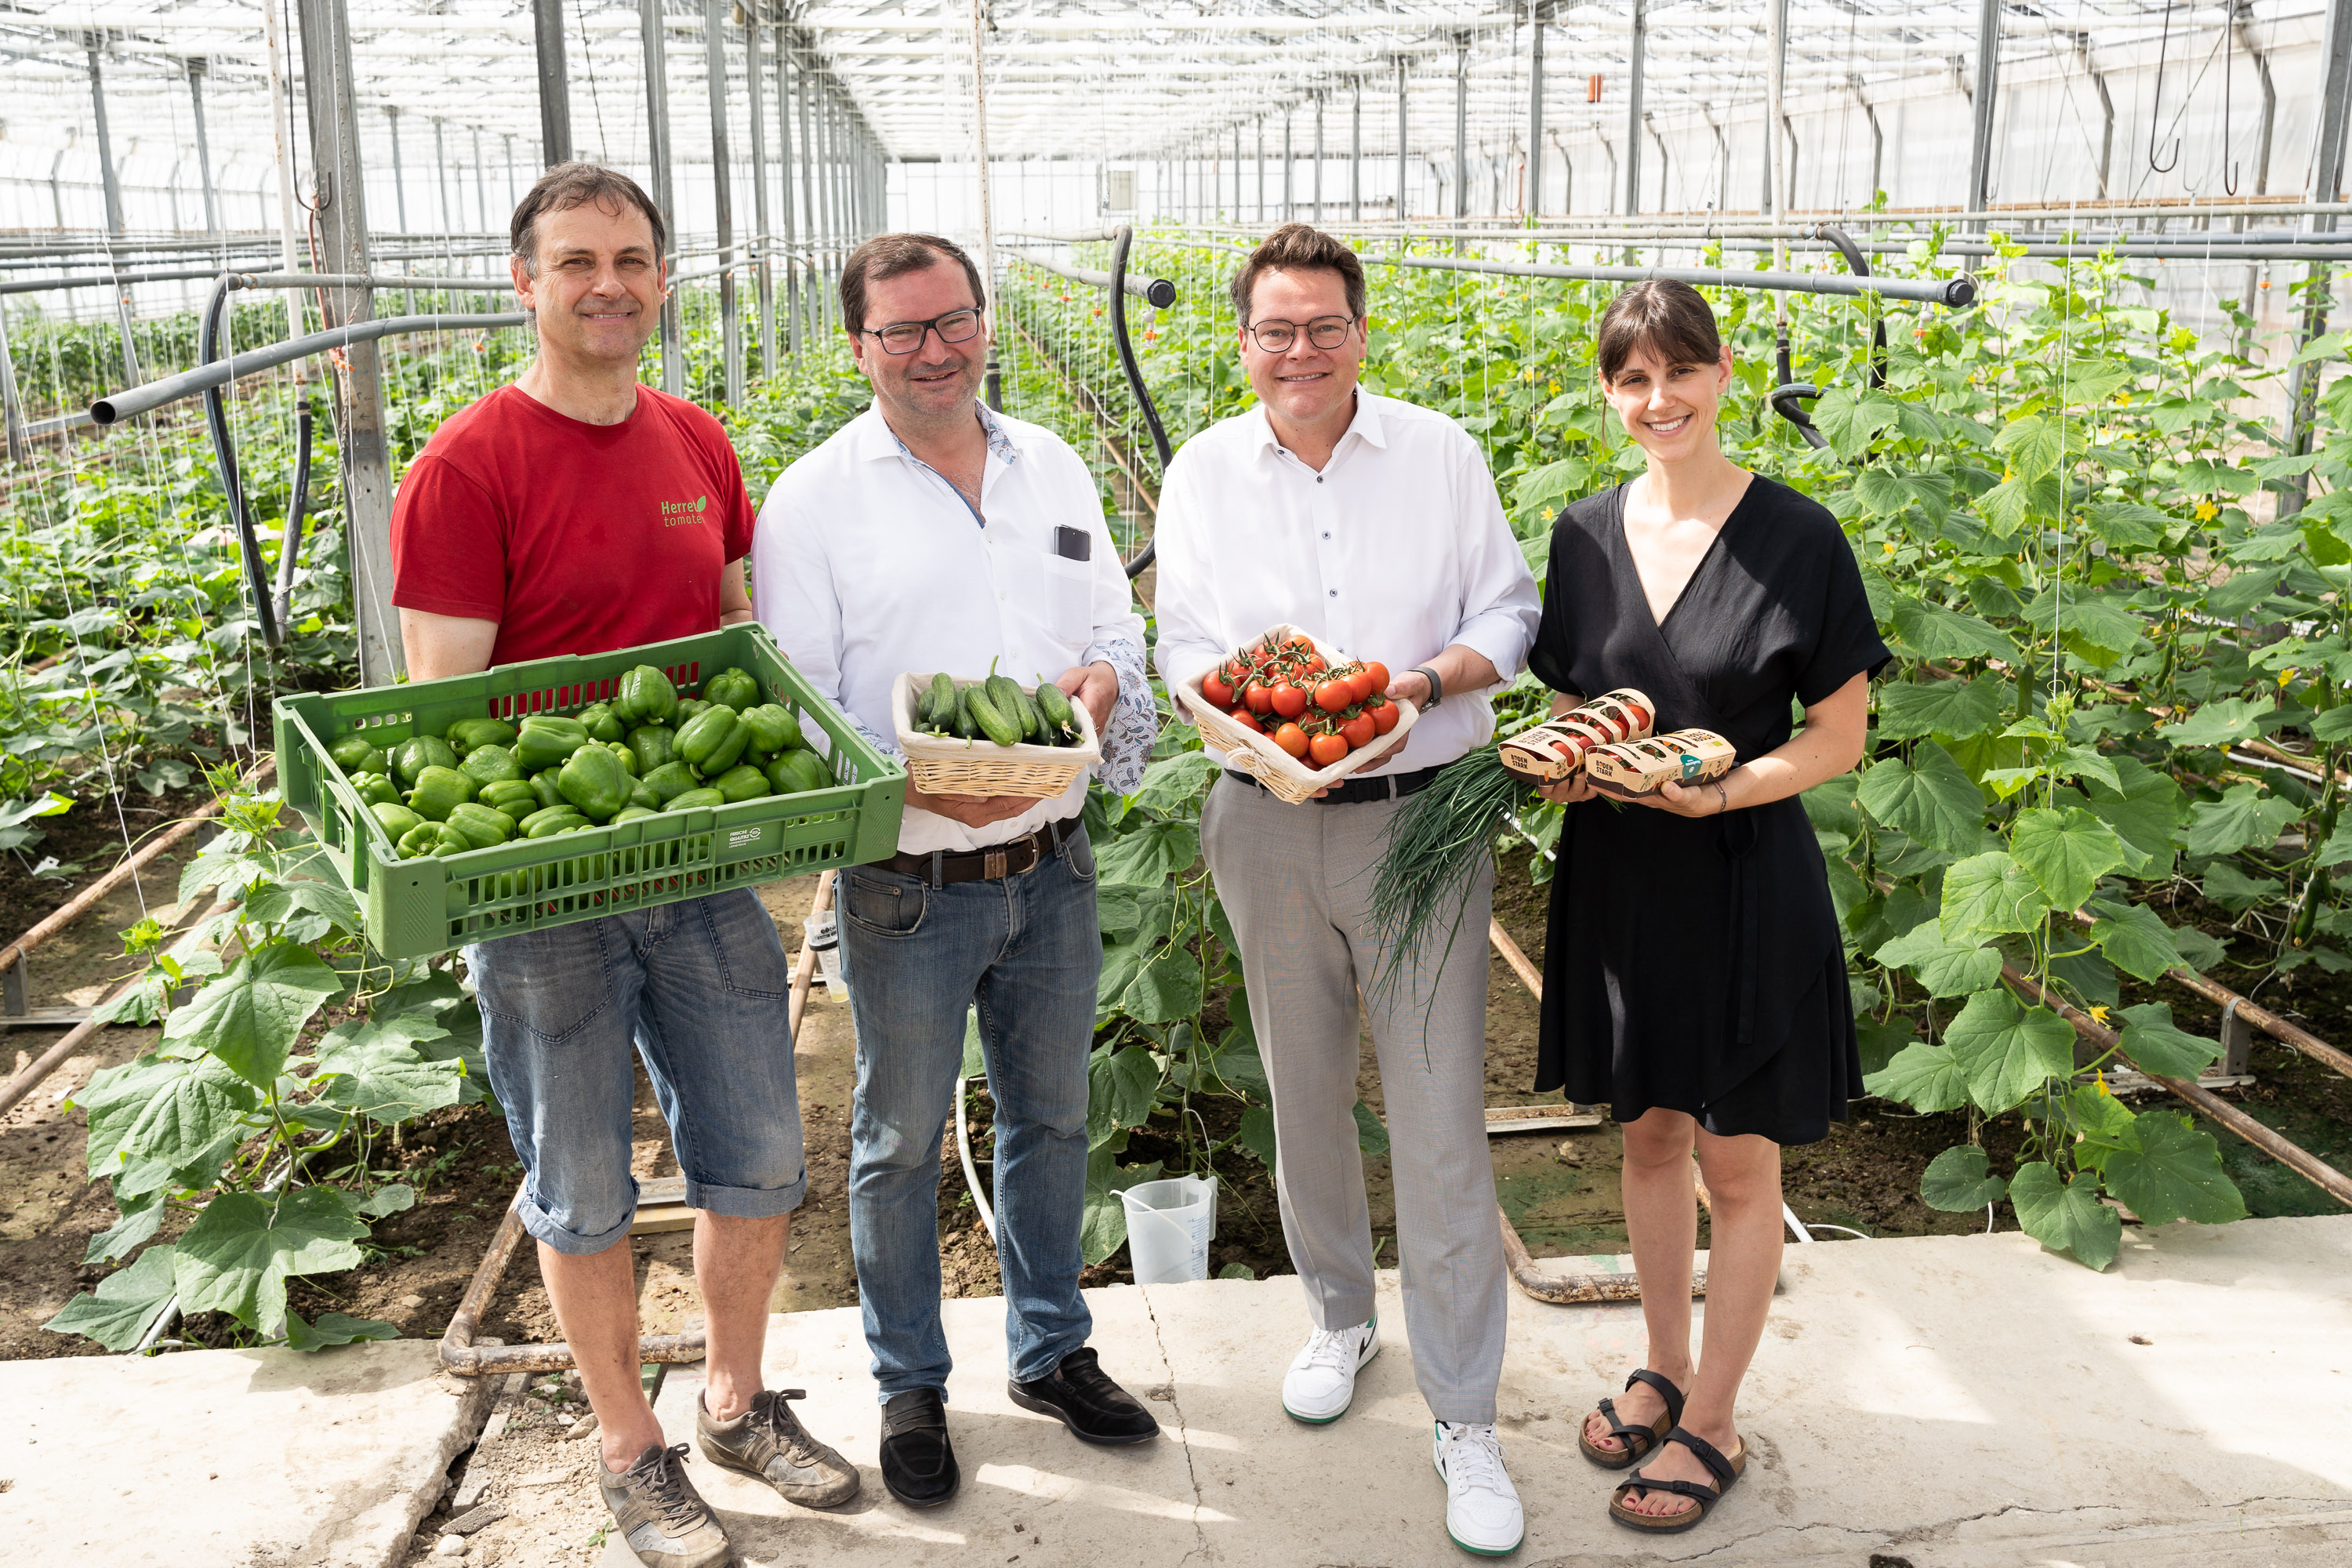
{"x":975,"y":1055}
{"x":1945,"y":968}
{"x":2200,"y":949}
{"x":231,"y":869}
{"x":1883,"y":494}
{"x":2128,"y":525}
{"x":2008,"y":1050}
{"x":1257,"y":1133}
{"x":1850,"y":419}
{"x":126,"y":1305}
{"x":1989,"y":893}
{"x":240,"y":1252}
{"x":1371,"y":1135}
{"x":1148,"y":855}
{"x":1121,"y":1086}
{"x":303,"y":910}
{"x":1960,"y":1179}
{"x":2234,"y":890}
{"x":1549,"y":483}
{"x":2169,"y":1171}
{"x":2086,"y":762}
{"x":2245,"y":815}
{"x":142,"y":1218}
{"x":1933,"y":631}
{"x":2134,"y":940}
{"x":2033,"y":445}
{"x":1959,"y":708}
{"x":2009,"y":505}
{"x":2065,"y":1217}
{"x":1103,"y":1229}
{"x":1166,"y":988}
{"x":392,"y":1198}
{"x":1174,"y":785}
{"x":2067,"y":852}
{"x":2338,"y":848}
{"x":1928,"y":798}
{"x":2220,"y":722}
{"x":2143,"y":811}
{"x":183,"y":1117}
{"x":1880,"y":1042}
{"x":373,"y":1070}
{"x":2154,"y":1046}
{"x":251,"y":1017}
{"x":1924,"y":1078}
{"x":334,"y":1328}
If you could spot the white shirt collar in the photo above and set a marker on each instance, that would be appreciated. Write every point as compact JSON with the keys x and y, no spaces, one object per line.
{"x":876,"y":439}
{"x":1367,"y":423}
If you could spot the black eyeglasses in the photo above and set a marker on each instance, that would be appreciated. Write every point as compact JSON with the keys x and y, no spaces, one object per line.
{"x":1323,"y":331}
{"x":906,"y":337}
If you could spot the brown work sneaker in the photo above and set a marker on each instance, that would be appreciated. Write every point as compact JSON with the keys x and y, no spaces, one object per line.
{"x":769,"y":1441}
{"x":661,"y":1516}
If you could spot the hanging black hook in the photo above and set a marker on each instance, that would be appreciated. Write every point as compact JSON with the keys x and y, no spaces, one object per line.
{"x":2156,"y":106}
{"x":256,"y":575}
{"x":1126,"y":238}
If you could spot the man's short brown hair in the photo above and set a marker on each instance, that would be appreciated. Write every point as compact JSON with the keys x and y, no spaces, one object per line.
{"x":1295,"y":248}
{"x":889,"y":255}
{"x":575,"y":185}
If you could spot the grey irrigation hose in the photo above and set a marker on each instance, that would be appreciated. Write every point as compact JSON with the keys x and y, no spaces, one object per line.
{"x":1953,"y":293}
{"x":289,"y":541}
{"x":1159,"y":292}
{"x":1115,"y":283}
{"x":248,"y":543}
{"x":122,"y":405}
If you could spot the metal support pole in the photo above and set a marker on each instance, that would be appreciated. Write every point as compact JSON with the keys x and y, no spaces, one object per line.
{"x":93,"y":42}
{"x":1533,"y":202}
{"x":723,"y":196}
{"x":764,"y":277}
{"x":1776,"y":76}
{"x":1261,"y":171}
{"x":1289,"y":168}
{"x":673,"y":337}
{"x":2263,"y":144}
{"x":1665,"y":164}
{"x":1234,"y":212}
{"x":514,"y":191}
{"x":1403,"y":124}
{"x":1356,"y":154}
{"x":1878,"y":138}
{"x":481,"y":183}
{"x":1318,"y":159}
{"x":1637,"y":47}
{"x":2327,"y":186}
{"x":441,"y":177}
{"x":554,"y":91}
{"x":399,"y":189}
{"x":818,"y":301}
{"x":11,"y":408}
{"x":795,"y":331}
{"x":994,"y":379}
{"x":339,"y":196}
{"x":1988,"y":90}
{"x":1462,"y":126}
{"x":203,"y":150}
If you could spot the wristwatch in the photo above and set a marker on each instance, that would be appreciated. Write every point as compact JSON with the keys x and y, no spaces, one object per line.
{"x":1436,"y":687}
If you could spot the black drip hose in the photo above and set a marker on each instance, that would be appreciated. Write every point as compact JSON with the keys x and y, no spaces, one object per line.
{"x":256,"y":577}
{"x":290,"y":543}
{"x":1126,"y":238}
{"x":1784,"y":396}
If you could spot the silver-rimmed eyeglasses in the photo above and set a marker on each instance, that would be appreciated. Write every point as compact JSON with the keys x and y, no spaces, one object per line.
{"x":1323,"y":331}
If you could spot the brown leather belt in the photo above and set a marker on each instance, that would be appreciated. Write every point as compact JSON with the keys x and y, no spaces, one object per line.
{"x":995,"y":862}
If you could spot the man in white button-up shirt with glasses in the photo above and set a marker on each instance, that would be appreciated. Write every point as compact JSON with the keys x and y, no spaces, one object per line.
{"x":1374,"y":525}
{"x":930,"y":534}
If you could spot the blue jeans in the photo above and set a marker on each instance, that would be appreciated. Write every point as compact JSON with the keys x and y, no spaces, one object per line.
{"x":1026,"y":950}
{"x":698,"y":989}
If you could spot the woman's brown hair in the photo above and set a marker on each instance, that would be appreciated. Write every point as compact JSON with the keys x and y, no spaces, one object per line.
{"x":1673,"y":321}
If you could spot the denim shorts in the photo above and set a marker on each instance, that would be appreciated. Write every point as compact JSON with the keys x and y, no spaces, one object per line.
{"x":698,"y":989}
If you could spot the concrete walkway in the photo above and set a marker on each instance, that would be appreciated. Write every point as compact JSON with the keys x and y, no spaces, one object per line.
{"x":1948,"y":1403}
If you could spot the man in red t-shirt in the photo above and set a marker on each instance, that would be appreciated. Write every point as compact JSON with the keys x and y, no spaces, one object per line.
{"x":573,"y":513}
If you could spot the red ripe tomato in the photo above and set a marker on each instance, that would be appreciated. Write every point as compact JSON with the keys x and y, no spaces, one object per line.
{"x":1385,"y":717}
{"x":1289,"y":701}
{"x":1360,"y":683}
{"x":1315,"y":666}
{"x":1247,"y":721}
{"x":1360,"y":730}
{"x":1333,"y":695}
{"x":1379,"y":674}
{"x":1327,"y":748}
{"x":1216,"y":690}
{"x":1260,"y":697}
{"x":1291,"y":739}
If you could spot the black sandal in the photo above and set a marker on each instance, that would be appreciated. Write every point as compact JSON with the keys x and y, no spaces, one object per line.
{"x":1648,"y":1437}
{"x":1725,"y":1471}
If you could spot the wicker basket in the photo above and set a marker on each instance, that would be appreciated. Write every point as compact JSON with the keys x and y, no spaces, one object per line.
{"x":942,"y":765}
{"x":1246,"y":752}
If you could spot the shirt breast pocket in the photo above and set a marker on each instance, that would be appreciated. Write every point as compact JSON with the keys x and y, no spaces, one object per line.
{"x":1069,"y":600}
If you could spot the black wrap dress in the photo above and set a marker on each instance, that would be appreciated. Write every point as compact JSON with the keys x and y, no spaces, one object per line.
{"x":1695,"y":963}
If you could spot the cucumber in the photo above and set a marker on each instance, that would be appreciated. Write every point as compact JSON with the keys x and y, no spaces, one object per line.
{"x":1055,"y":704}
{"x":1008,"y":700}
{"x":993,"y":723}
{"x":939,"y":702}
{"x":965,"y":728}
{"x":1033,"y":718}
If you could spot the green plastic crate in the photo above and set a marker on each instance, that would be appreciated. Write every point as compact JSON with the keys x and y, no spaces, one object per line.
{"x":417,"y":908}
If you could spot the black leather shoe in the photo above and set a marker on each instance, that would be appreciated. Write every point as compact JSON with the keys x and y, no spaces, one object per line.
{"x":919,"y":1463}
{"x":1087,"y":1401}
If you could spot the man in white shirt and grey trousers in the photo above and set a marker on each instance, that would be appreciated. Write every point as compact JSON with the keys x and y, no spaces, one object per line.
{"x":1374,"y":525}
{"x":930,"y":534}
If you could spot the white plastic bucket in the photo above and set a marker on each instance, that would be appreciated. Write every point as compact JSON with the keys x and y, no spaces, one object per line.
{"x":1169,"y":1224}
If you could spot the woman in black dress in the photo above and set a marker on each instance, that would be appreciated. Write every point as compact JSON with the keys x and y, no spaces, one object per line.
{"x":1693,"y":974}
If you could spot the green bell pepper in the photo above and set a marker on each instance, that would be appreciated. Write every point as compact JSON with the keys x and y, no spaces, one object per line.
{"x":472,"y":735}
{"x":646,"y":697}
{"x":557,"y":822}
{"x":492,"y":763}
{"x":563,"y":809}
{"x":593,"y":782}
{"x":513,"y":797}
{"x":419,"y":841}
{"x":632,"y":811}
{"x":773,"y":727}
{"x":712,"y":742}
{"x":357,"y":754}
{"x":797,"y":773}
{"x":628,"y":758}
{"x":731,"y":687}
{"x":696,"y":800}
{"x":375,"y":789}
{"x":546,"y":740}
{"x":642,"y":797}
{"x":543,"y":784}
{"x":437,"y":791}
{"x":668,"y":781}
{"x":482,"y":825}
{"x":396,"y":820}
{"x":654,"y":745}
{"x":601,"y":722}
{"x":691,"y":709}
{"x":741,"y":782}
{"x":412,"y":756}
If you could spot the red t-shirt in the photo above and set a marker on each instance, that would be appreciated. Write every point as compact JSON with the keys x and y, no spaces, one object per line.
{"x":574,"y":538}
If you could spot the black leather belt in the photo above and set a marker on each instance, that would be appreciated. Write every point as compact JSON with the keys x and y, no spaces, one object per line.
{"x":1351,"y":792}
{"x":991,"y":864}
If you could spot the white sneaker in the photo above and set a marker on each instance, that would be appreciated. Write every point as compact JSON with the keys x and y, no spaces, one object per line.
{"x":1482,"y":1506}
{"x":1322,"y":1382}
